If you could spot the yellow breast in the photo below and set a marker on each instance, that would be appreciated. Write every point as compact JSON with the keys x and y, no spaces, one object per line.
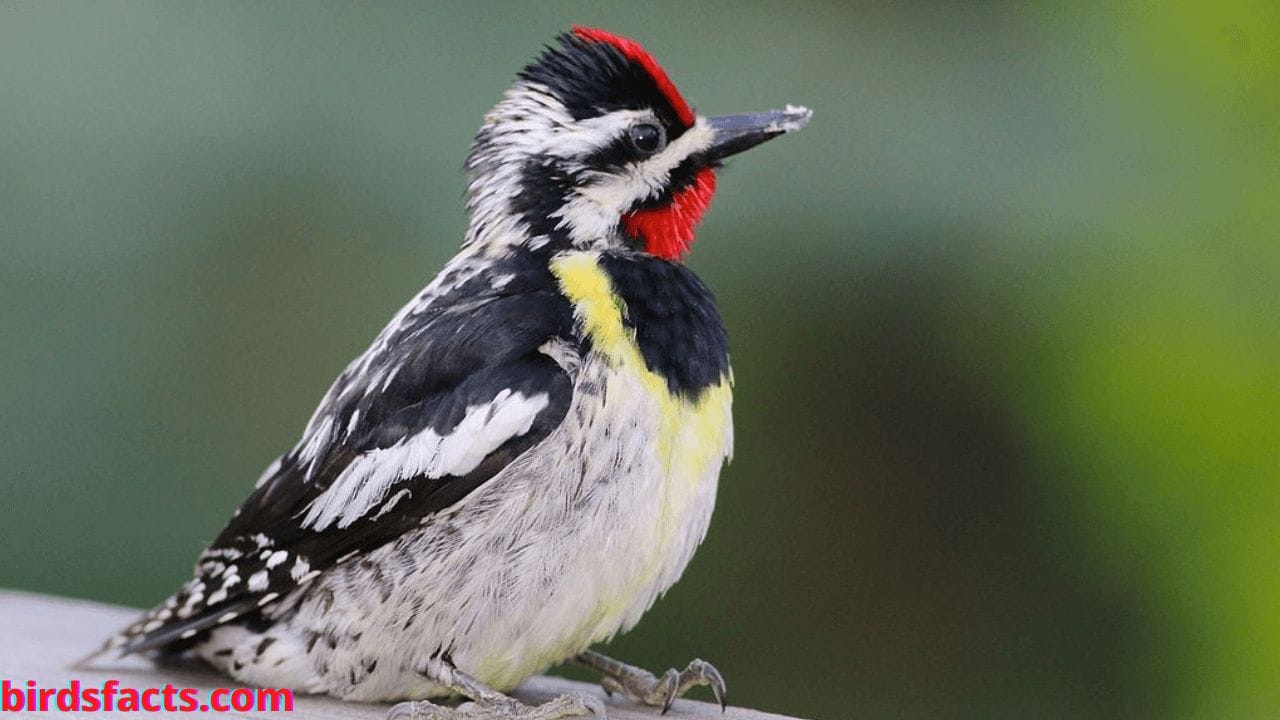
{"x":655,"y":506}
{"x":694,"y":433}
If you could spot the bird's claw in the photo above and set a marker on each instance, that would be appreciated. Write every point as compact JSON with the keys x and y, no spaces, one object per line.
{"x":502,"y":708}
{"x":642,"y":687}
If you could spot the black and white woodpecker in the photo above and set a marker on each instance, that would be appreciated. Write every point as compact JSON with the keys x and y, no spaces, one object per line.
{"x":527,"y":456}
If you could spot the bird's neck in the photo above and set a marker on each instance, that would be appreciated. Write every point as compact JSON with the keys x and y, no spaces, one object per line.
{"x":629,"y":300}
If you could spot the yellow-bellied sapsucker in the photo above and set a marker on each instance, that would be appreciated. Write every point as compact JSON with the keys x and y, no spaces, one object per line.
{"x":527,"y":455}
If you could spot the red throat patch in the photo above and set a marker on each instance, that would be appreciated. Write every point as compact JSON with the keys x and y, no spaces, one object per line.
{"x":667,"y":231}
{"x":633,"y":51}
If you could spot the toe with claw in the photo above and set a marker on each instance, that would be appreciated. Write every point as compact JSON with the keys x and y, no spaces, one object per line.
{"x":639,"y":685}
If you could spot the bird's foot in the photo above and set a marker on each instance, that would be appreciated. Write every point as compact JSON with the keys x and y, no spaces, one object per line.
{"x":501,"y":707}
{"x":640,"y":685}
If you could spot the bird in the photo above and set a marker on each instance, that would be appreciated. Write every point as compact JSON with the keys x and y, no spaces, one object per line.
{"x":528,"y":454}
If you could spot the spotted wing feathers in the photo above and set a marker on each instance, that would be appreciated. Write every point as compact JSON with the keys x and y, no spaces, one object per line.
{"x":457,"y":387}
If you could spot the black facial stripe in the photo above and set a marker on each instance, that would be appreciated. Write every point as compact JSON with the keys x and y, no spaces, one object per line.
{"x":613,"y":157}
{"x":594,"y":79}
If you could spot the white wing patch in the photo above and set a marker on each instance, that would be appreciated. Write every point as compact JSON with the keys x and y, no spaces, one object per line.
{"x":370,"y":477}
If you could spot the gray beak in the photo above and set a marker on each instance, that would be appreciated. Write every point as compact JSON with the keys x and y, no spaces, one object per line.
{"x":735,"y":133}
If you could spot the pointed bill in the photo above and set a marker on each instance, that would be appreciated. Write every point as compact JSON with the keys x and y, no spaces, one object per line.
{"x":735,"y":133}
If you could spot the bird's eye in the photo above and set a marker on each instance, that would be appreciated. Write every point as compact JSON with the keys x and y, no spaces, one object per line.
{"x":647,"y":137}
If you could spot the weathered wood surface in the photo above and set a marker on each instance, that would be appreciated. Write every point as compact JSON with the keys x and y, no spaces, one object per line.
{"x":41,"y":636}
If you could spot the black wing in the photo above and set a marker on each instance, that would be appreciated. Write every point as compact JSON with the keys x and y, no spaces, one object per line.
{"x":451,"y":392}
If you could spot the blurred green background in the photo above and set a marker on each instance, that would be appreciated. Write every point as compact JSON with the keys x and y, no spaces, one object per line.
{"x":1004,"y":317}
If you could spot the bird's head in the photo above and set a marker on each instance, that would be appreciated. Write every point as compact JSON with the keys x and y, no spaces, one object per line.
{"x":594,"y":147}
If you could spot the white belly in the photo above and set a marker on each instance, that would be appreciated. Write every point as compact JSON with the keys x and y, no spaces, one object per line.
{"x":566,"y":547}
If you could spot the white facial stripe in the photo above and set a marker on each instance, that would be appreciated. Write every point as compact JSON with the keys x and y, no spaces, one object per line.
{"x":593,"y":212}
{"x":647,"y":178}
{"x":589,"y":135}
